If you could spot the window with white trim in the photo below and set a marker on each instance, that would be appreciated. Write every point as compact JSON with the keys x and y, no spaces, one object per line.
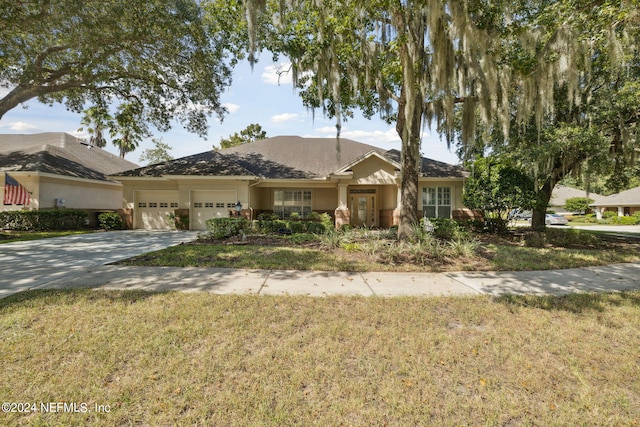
{"x":287,"y":201}
{"x":436,"y":202}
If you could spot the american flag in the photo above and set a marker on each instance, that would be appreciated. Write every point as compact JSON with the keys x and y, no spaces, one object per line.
{"x":14,"y":192}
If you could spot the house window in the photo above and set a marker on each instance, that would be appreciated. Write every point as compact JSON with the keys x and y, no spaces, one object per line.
{"x":285,"y":202}
{"x":436,"y":202}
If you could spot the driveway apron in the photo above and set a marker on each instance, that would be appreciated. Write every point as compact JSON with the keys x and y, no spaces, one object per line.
{"x":29,"y":264}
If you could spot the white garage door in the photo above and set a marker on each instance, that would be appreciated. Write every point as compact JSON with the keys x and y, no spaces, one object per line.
{"x":152,"y":209}
{"x":211,"y":204}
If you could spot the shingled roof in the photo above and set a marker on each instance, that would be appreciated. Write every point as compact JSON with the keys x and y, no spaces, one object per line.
{"x":284,"y":157}
{"x":629,"y":197}
{"x":58,"y":153}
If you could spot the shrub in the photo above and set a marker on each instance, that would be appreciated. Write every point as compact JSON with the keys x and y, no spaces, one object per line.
{"x":535,"y":240}
{"x":316,"y":228}
{"x":270,"y":226}
{"x":463,"y":247}
{"x":445,"y":228}
{"x":327,"y":221}
{"x":110,"y":221}
{"x":43,"y":220}
{"x":297,"y":227}
{"x":623,"y":220}
{"x":221,"y":228}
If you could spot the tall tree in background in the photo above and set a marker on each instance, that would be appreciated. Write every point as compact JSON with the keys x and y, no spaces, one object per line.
{"x":591,"y":127}
{"x":161,"y":55}
{"x":159,"y":154}
{"x":127,"y":130}
{"x":97,"y":120}
{"x":414,"y":61}
{"x":251,"y":133}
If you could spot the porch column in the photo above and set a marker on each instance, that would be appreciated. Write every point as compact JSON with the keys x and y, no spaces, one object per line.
{"x":620,"y":210}
{"x":599,"y":211}
{"x":396,"y":211}
{"x":342,"y":214}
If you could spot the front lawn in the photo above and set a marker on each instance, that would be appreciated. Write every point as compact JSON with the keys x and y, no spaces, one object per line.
{"x":134,"y":358}
{"x":369,"y":251}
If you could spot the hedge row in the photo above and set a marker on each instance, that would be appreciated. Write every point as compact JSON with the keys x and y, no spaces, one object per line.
{"x":228,"y":227}
{"x":43,"y":220}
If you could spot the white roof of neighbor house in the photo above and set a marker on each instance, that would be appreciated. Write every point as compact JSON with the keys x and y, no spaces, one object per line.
{"x":625,"y":198}
{"x":561,"y":193}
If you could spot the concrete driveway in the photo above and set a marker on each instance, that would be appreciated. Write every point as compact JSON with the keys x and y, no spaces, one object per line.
{"x":32,"y":263}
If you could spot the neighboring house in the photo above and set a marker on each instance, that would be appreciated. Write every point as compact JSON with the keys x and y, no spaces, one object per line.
{"x":625,"y":203}
{"x":62,"y":171}
{"x":355,"y":183}
{"x":560,"y":195}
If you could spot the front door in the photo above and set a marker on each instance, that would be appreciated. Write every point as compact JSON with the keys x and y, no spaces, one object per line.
{"x":363,"y":210}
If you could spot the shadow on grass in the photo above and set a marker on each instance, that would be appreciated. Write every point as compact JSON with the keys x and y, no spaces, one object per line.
{"x":573,"y":303}
{"x":36,"y":297}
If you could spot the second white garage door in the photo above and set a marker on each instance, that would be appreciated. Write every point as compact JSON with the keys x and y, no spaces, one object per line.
{"x":211,"y":204}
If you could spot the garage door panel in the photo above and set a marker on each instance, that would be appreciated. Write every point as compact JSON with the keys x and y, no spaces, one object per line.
{"x":153,"y":209}
{"x":210,"y":204}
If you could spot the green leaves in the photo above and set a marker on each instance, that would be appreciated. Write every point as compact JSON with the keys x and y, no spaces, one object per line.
{"x":161,"y":55}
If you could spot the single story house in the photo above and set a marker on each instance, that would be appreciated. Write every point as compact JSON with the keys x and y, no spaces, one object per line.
{"x":561,"y":193}
{"x":355,"y":183}
{"x":62,"y":171}
{"x":625,"y":203}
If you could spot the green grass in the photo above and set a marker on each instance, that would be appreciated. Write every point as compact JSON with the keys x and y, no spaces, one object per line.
{"x":494,"y":256}
{"x":248,"y":256}
{"x":18,"y":236}
{"x":516,"y":258}
{"x":200,"y":359}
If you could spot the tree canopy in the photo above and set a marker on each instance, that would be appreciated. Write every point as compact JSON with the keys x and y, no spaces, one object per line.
{"x":159,"y":154}
{"x":249,"y":134}
{"x":166,"y":57}
{"x":589,"y":126}
{"x":437,"y":63}
{"x":496,"y":187}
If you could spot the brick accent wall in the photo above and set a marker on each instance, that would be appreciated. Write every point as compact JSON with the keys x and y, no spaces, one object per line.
{"x":342,"y":216}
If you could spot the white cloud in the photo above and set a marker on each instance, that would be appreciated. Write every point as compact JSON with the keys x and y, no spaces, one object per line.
{"x":277,"y":74}
{"x":374,"y":137}
{"x":233,"y":108}
{"x":20,"y":126}
{"x":285,"y":117}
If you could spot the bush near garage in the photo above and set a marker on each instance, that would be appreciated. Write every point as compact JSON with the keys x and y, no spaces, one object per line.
{"x":221,"y":228}
{"x":110,"y":221}
{"x":43,"y":220}
{"x":315,"y":223}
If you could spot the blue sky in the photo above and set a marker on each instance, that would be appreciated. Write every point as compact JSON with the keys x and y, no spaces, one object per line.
{"x":254,"y":97}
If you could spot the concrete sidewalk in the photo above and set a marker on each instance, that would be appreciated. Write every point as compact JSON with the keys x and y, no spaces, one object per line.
{"x":617,"y":277}
{"x":82,"y":261}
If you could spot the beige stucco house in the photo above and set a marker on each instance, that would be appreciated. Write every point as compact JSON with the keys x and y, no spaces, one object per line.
{"x":62,"y":171}
{"x":355,"y":183}
{"x":624,"y":203}
{"x":560,"y":195}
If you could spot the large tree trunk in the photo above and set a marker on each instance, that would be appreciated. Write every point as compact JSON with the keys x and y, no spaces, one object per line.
{"x":409,"y":122}
{"x":409,"y":130}
{"x":540,"y":209}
